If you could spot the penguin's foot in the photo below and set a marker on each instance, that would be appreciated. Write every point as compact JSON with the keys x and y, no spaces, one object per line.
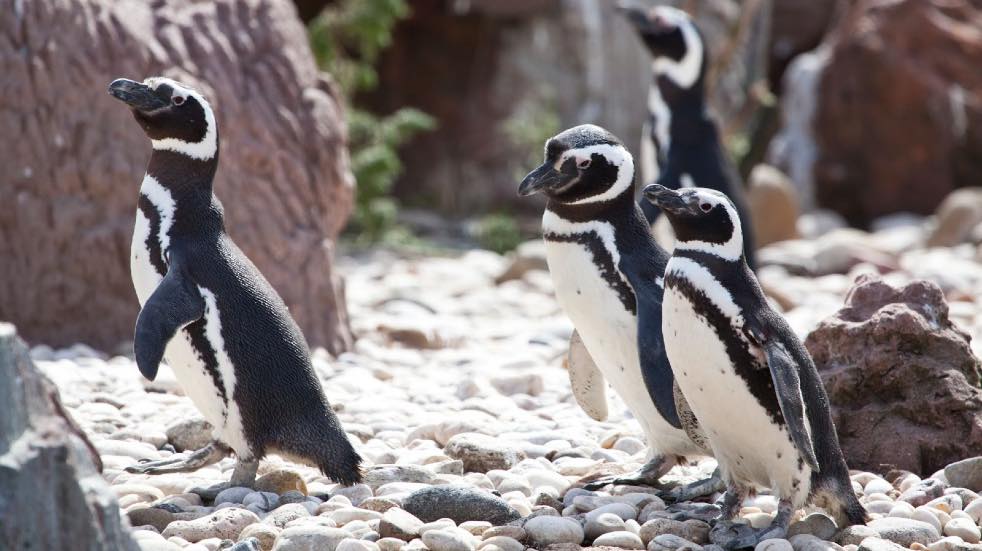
{"x":706,"y":512}
{"x":647,"y":475}
{"x":697,"y":489}
{"x":208,"y":455}
{"x":243,"y":476}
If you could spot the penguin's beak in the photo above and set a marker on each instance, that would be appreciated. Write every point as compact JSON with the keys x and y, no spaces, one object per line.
{"x":541,"y":179}
{"x":669,"y":200}
{"x":137,"y":95}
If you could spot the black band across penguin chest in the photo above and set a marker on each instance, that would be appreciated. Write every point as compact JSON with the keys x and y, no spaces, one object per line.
{"x":744,"y":362}
{"x":604,"y":262}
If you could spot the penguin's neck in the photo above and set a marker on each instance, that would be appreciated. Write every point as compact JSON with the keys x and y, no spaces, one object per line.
{"x":185,"y":183}
{"x":618,"y":211}
{"x":690,"y":121}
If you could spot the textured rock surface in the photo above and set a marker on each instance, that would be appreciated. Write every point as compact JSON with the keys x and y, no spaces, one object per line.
{"x":897,"y":369}
{"x":901,"y":85}
{"x":773,"y":204}
{"x":71,"y":179}
{"x":51,"y":493}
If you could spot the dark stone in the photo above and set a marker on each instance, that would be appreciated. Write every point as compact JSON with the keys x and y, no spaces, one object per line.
{"x":460,"y":504}
{"x":891,"y":355}
{"x":72,"y":176}
{"x":52,"y":495}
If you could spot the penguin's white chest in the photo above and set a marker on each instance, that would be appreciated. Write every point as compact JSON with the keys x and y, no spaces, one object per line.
{"x":609,"y":333}
{"x":188,"y":364}
{"x":751,"y":448}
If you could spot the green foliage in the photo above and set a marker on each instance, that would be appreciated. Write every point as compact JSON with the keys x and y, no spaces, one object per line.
{"x":499,"y":232}
{"x":528,"y":127}
{"x":347,"y":39}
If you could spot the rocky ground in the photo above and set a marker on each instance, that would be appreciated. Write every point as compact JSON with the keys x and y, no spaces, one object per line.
{"x":456,"y":396}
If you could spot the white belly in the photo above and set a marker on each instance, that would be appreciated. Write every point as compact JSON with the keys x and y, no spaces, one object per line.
{"x":188,"y":367}
{"x":751,"y":449}
{"x":609,"y":332}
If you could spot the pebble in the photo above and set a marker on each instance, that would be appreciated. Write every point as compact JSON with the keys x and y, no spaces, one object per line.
{"x":459,"y":503}
{"x":964,"y":529}
{"x":449,"y":539}
{"x":482,"y":453}
{"x":399,"y":524}
{"x":264,"y":534}
{"x":233,"y":495}
{"x":224,"y":523}
{"x":310,"y":538}
{"x":622,"y":539}
{"x":502,"y":543}
{"x":905,"y":531}
{"x":966,"y":473}
{"x":671,"y":542}
{"x":351,"y":544}
{"x":816,"y":524}
{"x":548,"y":530}
{"x":280,"y":481}
{"x":602,"y":524}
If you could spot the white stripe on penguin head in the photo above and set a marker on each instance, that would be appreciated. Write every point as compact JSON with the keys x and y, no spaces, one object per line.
{"x":685,"y":71}
{"x":202,"y":150}
{"x":732,"y":249}
{"x":615,"y":155}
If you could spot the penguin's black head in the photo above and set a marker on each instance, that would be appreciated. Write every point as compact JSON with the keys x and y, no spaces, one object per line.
{"x":173,"y":116}
{"x":584,"y":164}
{"x":672,"y":39}
{"x":703,"y":219}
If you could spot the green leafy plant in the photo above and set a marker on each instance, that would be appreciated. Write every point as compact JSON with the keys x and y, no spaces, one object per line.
{"x":347,"y":39}
{"x":498,"y":232}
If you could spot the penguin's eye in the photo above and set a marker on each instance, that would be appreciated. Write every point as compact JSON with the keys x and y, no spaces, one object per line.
{"x":177,"y":100}
{"x":706,"y":207}
{"x":583,"y":164}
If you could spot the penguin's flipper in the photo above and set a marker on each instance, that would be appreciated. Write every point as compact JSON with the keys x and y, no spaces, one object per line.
{"x":655,"y":369}
{"x":175,"y":303}
{"x":787,"y":384}
{"x":589,"y":386}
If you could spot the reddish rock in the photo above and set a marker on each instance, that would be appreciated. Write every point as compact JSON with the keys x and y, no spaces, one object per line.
{"x":899,"y":116}
{"x":901,"y":378}
{"x":70,"y":178}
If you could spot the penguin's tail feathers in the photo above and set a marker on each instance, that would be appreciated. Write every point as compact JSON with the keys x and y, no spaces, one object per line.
{"x":839,"y":499}
{"x":325,"y":445}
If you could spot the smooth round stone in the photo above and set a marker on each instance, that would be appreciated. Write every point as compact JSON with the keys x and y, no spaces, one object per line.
{"x":348,"y":514}
{"x":450,"y":539}
{"x":459,"y":503}
{"x":548,"y":530}
{"x":235,"y":494}
{"x":905,"y":532}
{"x":879,"y":507}
{"x":508,"y":531}
{"x":309,"y":538}
{"x":224,"y":523}
{"x":264,"y":500}
{"x":547,"y":478}
{"x":629,"y":445}
{"x":603,"y":524}
{"x":622,"y":539}
{"x":441,"y":524}
{"x":774,"y":545}
{"x":574,"y":493}
{"x":930,"y":516}
{"x":974,"y":510}
{"x":671,"y":542}
{"x":284,"y":514}
{"x":816,"y":524}
{"x":623,"y":510}
{"x":292,"y":496}
{"x":964,"y":529}
{"x":808,"y":542}
{"x":949,"y":543}
{"x":962,"y":514}
{"x":901,"y":509}
{"x":877,"y":485}
{"x":854,"y":535}
{"x":766,"y":504}
{"x":390,"y":544}
{"x":144,"y":492}
{"x":265,"y":534}
{"x":947,"y":503}
{"x":355,"y":493}
{"x":503,"y":543}
{"x":351,"y":544}
{"x":694,"y":531}
{"x":475,"y":527}
{"x":515,"y":484}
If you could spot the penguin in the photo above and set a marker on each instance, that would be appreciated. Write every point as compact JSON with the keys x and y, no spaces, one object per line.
{"x":680,"y":143}
{"x":607,"y":270}
{"x":207,"y":309}
{"x":744,"y":373}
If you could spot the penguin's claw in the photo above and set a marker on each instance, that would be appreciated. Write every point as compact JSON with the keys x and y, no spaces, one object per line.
{"x":211,"y":492}
{"x":731,"y":535}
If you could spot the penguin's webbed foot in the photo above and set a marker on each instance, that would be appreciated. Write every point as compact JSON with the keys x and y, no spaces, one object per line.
{"x":706,"y":512}
{"x":648,"y":475}
{"x":697,"y":489}
{"x":243,"y":476}
{"x":208,"y":455}
{"x":732,"y":535}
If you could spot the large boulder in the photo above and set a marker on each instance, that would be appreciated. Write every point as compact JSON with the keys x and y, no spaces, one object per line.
{"x":52,"y":495}
{"x":71,"y":177}
{"x":902,"y":380}
{"x":897,"y":122}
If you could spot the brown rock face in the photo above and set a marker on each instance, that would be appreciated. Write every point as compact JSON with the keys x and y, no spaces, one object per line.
{"x":902,"y":380}
{"x":899,"y":118}
{"x":75,"y":157}
{"x":52,"y":495}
